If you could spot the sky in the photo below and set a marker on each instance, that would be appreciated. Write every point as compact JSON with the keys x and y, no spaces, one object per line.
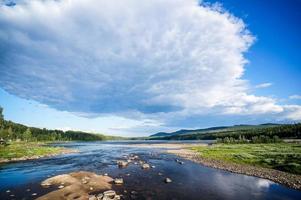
{"x":134,"y":68}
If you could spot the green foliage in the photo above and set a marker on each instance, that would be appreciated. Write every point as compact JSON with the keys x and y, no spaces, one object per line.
{"x":1,"y":117}
{"x":281,"y":156}
{"x":27,"y":136}
{"x":22,"y":149}
{"x":254,"y":140}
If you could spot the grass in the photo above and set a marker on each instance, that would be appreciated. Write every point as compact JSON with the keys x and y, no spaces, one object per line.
{"x":280,"y":156}
{"x":26,"y":149}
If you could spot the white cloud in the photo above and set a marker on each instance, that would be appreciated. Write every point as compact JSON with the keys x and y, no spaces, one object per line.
{"x":130,"y":57}
{"x":263,"y":85}
{"x":295,"y":97}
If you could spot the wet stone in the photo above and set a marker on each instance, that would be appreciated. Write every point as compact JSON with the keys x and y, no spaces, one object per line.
{"x":167,"y":180}
{"x":145,"y":166}
{"x":118,"y":181}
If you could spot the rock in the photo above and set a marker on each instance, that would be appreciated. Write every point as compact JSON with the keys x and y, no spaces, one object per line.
{"x":46,"y":184}
{"x":118,"y":181}
{"x":92,"y":197}
{"x":132,"y":157}
{"x":74,"y":188}
{"x":134,"y":192}
{"x":180,"y":162}
{"x":167,"y":180}
{"x":145,"y":166}
{"x":109,"y":194}
{"x":99,"y":196}
{"x":122,"y":163}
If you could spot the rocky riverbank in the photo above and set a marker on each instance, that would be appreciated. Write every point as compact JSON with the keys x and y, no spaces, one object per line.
{"x":287,"y":179}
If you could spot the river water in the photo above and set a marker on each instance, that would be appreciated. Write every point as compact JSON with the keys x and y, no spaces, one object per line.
{"x":189,"y":181}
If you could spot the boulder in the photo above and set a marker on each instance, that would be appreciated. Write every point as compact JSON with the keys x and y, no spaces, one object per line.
{"x":145,"y":166}
{"x":74,"y":188}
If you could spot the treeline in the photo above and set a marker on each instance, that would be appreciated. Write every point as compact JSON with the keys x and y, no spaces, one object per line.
{"x":14,"y":131}
{"x":281,"y":131}
{"x":253,"y":140}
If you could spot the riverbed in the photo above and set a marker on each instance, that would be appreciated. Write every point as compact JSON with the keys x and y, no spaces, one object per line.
{"x":189,"y":180}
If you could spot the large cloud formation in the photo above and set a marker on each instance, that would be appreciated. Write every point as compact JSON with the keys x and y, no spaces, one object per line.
{"x":131,"y":56}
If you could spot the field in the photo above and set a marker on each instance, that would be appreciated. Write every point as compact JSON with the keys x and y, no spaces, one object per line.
{"x":280,"y":156}
{"x":26,"y":150}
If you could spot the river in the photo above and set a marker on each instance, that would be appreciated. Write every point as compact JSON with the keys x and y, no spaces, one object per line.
{"x":189,"y":181}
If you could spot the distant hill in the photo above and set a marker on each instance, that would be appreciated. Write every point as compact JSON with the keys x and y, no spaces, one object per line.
{"x":249,"y":132}
{"x":214,"y":129}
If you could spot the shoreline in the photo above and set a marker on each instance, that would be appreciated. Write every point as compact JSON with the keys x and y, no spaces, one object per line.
{"x":182,"y":150}
{"x":60,"y":151}
{"x":284,"y":178}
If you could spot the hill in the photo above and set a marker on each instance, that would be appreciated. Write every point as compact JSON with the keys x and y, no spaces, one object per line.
{"x":213,"y":129}
{"x":248,"y":131}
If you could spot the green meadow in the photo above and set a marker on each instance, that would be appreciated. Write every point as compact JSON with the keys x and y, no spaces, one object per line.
{"x":280,"y":156}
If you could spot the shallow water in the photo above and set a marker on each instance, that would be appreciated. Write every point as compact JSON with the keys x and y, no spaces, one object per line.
{"x":190,"y":181}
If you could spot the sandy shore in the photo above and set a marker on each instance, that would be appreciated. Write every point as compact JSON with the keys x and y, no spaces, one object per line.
{"x":182,"y":150}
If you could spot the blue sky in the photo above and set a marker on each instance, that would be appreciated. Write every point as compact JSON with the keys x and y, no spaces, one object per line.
{"x":166,"y":65}
{"x":275,"y":56}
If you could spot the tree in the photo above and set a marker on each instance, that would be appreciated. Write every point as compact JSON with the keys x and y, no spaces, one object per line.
{"x":10,"y":133}
{"x":1,"y":117}
{"x":27,"y":135}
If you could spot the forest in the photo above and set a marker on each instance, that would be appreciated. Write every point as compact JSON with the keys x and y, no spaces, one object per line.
{"x":14,"y":132}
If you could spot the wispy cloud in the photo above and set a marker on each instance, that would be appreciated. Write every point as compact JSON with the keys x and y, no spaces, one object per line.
{"x":264,"y":85}
{"x":140,"y":59}
{"x":298,"y":97}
